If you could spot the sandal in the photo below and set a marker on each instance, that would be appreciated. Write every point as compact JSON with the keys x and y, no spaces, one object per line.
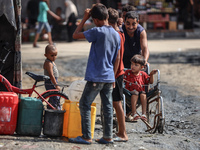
{"x":103,"y":141}
{"x":35,"y":46}
{"x":135,"y":118}
{"x":79,"y":140}
{"x":144,"y":117}
{"x":129,"y":118}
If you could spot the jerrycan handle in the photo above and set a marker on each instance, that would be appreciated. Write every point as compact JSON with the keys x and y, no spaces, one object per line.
{"x":93,"y":104}
{"x":67,"y":101}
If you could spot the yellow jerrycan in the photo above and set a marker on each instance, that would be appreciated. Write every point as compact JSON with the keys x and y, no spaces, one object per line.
{"x":66,"y":107}
{"x":72,"y":119}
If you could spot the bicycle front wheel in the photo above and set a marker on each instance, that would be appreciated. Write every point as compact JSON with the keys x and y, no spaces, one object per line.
{"x":50,"y":94}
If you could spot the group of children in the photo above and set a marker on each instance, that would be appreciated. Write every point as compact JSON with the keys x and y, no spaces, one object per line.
{"x":105,"y":72}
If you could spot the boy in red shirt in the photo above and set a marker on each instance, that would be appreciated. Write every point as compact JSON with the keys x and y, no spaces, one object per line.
{"x":136,"y":80}
{"x":117,"y":93}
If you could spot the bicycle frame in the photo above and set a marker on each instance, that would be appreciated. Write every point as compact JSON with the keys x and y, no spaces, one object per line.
{"x":12,"y":88}
{"x":17,"y":90}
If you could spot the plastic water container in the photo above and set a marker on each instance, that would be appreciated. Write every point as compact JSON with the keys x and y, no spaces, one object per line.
{"x":30,"y":116}
{"x":53,"y":122}
{"x":93,"y":118}
{"x":75,"y":90}
{"x":8,"y":112}
{"x":74,"y":120}
{"x":66,"y":107}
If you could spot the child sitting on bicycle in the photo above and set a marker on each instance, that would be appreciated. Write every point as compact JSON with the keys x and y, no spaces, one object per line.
{"x":50,"y":69}
{"x":135,"y":81}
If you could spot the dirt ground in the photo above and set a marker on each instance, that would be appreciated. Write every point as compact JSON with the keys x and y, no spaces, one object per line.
{"x":179,"y":64}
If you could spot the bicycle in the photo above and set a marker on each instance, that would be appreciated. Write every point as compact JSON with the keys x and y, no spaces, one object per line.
{"x":44,"y":96}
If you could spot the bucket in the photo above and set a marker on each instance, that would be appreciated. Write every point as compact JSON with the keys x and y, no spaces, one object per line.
{"x":53,"y":122}
{"x":31,"y":36}
{"x":30,"y":116}
{"x":8,"y":112}
{"x":74,"y":120}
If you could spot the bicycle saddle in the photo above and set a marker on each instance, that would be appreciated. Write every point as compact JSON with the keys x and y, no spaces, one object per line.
{"x":37,"y":77}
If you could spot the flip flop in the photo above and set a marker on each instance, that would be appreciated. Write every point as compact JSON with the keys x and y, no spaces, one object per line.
{"x":129,"y":118}
{"x":135,"y":118}
{"x":102,"y":141}
{"x":144,"y":117}
{"x":118,"y":139}
{"x":132,"y":119}
{"x":79,"y":140}
{"x":36,"y":46}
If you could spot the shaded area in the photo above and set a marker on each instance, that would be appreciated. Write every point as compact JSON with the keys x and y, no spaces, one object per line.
{"x":191,"y":56}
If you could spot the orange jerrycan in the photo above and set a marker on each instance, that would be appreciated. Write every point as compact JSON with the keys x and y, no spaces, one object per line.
{"x":74,"y":120}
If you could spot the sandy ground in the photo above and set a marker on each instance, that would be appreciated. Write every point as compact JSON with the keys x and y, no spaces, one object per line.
{"x":178,"y":62}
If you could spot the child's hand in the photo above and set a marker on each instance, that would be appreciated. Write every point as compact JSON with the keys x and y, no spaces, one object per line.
{"x":87,"y":14}
{"x":153,"y":72}
{"x":58,"y":18}
{"x":58,"y":88}
{"x":113,"y":84}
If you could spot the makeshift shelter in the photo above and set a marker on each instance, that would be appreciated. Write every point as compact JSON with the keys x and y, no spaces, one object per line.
{"x":10,"y":36}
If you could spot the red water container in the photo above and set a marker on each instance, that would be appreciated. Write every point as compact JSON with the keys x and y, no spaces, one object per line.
{"x":8,"y":112}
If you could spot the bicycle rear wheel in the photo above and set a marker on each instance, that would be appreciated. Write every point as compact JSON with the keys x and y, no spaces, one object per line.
{"x":50,"y":94}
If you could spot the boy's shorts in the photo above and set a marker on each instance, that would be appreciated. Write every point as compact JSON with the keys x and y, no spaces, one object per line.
{"x":118,"y":90}
{"x":134,"y":92}
{"x":43,"y":25}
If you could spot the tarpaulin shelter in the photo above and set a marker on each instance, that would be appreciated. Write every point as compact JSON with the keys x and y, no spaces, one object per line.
{"x":10,"y":36}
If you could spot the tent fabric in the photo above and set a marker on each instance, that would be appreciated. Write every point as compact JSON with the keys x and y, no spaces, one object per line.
{"x":7,"y":8}
{"x":11,"y":9}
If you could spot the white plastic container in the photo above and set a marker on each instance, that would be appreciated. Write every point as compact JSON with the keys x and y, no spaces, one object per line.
{"x":75,"y":90}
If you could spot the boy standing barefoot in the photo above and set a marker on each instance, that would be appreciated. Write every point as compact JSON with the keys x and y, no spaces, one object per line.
{"x":117,"y":94}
